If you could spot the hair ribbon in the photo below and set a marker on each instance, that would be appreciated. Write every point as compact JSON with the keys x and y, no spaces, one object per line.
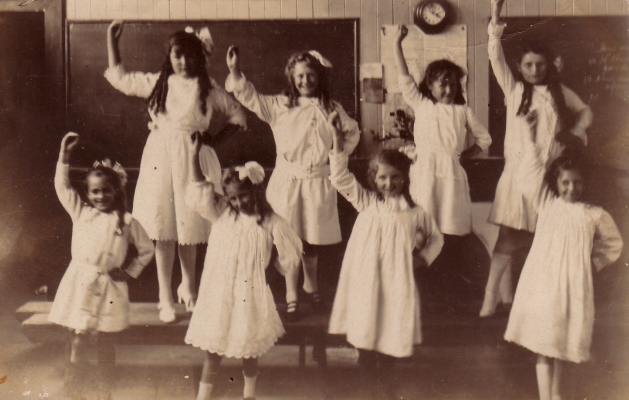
{"x":116,"y":167}
{"x":324,"y":61}
{"x":205,"y":37}
{"x":409,"y":151}
{"x":251,"y":170}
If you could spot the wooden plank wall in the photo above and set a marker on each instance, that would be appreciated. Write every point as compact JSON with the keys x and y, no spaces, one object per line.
{"x":372,"y":14}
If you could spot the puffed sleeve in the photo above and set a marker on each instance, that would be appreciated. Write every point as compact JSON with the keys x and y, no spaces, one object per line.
{"x":583,"y":113}
{"x":350,"y":129}
{"x":138,"y":84}
{"x":480,"y":133}
{"x":140,"y":239}
{"x":288,"y":245}
{"x":69,"y":198}
{"x":265,"y":107}
{"x":497,"y":58}
{"x":410,"y":93}
{"x":201,"y":197}
{"x":429,"y":236}
{"x":346,"y":184}
{"x":607,"y":242}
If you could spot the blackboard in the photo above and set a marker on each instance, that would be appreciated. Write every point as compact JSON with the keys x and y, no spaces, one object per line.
{"x":114,"y":125}
{"x":595,"y":52}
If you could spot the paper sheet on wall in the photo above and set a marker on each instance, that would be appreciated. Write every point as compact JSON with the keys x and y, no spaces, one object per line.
{"x":420,"y":50}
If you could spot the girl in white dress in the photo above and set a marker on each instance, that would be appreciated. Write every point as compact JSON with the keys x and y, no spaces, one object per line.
{"x":553,"y":308}
{"x":443,"y":128}
{"x":377,"y":301}
{"x":537,"y":88}
{"x":181,"y":99}
{"x":438,"y":181}
{"x":93,"y":295}
{"x":235,"y":315}
{"x":299,"y":189}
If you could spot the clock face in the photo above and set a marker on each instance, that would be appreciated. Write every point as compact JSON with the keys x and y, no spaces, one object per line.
{"x":433,"y":13}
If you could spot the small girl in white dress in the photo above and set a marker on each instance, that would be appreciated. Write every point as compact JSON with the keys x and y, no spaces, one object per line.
{"x":299,"y":189}
{"x":182,"y":98}
{"x":563,"y":118}
{"x":235,"y":315}
{"x":93,"y":295}
{"x":553,"y":308}
{"x":377,"y":301}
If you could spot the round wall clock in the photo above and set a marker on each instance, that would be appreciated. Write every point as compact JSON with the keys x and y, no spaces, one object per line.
{"x":433,"y":16}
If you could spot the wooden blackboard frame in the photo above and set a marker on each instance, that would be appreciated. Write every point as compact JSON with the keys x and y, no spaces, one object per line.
{"x":98,"y":146}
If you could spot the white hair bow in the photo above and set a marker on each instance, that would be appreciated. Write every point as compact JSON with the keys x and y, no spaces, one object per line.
{"x":116,"y":167}
{"x":324,"y":61}
{"x":409,"y":151}
{"x":251,"y":170}
{"x":205,"y":37}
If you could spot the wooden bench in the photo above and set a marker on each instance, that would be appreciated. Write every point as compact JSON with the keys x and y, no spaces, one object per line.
{"x":146,"y":328}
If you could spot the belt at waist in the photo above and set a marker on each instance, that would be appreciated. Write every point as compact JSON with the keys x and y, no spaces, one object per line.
{"x":91,"y":268}
{"x":297,"y":171}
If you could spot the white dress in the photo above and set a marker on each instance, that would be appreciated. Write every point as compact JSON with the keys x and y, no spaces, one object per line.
{"x":377,"y":302}
{"x":88,"y":300}
{"x":159,"y":195}
{"x":438,"y":181}
{"x":299,"y":189}
{"x":235,"y":314}
{"x":511,"y":208}
{"x":553,"y":308}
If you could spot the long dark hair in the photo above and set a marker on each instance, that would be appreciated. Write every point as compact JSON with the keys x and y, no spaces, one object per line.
{"x":397,"y":160}
{"x":322,"y":91}
{"x":261,"y":206}
{"x":112,"y":178}
{"x":553,"y":82}
{"x":191,"y":45}
{"x":436,"y":70}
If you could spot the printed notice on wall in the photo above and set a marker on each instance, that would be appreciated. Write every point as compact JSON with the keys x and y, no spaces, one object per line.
{"x":420,"y":50}
{"x":371,"y":76}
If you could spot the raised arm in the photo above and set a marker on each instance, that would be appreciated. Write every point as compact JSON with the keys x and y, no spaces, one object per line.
{"x":265,"y":107}
{"x":68,"y":197}
{"x":200,"y":194}
{"x":343,"y":180}
{"x":113,"y":36}
{"x":496,"y":55}
{"x":410,"y":93}
{"x":138,"y":84}
{"x":349,"y":128}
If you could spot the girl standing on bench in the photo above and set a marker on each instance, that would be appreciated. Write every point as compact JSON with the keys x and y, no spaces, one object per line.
{"x":181,"y":99}
{"x":377,"y":301}
{"x":93,"y":295}
{"x":235,"y":315}
{"x":299,"y":189}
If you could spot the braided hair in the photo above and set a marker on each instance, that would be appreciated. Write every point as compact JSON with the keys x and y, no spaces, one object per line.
{"x":554,"y":87}
{"x":190,"y":45}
